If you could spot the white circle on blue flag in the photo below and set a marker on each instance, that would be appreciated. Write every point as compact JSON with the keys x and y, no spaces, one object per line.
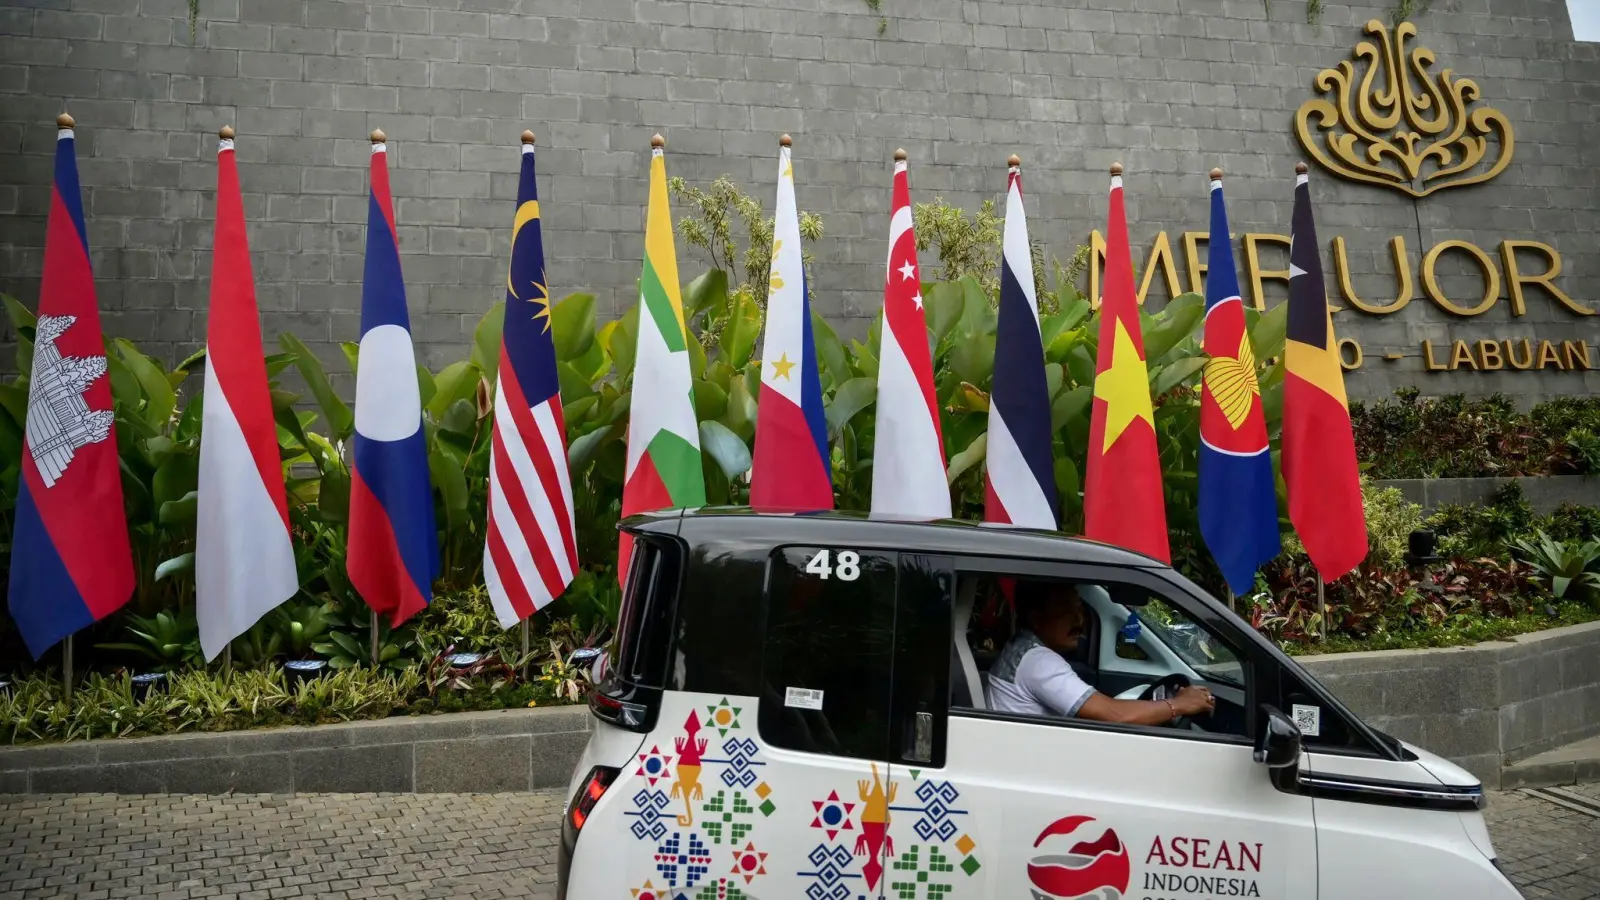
{"x":388,"y":402}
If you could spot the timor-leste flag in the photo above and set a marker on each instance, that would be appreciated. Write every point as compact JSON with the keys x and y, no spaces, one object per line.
{"x":663,"y":434}
{"x":1319,"y":449}
{"x":1122,"y":499}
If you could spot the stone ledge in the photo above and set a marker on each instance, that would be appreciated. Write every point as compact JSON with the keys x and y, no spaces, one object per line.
{"x":1544,"y":492}
{"x":500,"y":750}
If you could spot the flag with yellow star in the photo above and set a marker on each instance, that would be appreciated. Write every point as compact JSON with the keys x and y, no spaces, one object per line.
{"x":791,"y":471}
{"x":530,"y":553}
{"x":1122,"y":499}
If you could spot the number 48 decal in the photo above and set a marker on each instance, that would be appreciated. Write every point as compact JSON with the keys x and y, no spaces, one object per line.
{"x":848,"y":566}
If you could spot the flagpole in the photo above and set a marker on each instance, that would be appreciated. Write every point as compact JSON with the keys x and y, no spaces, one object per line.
{"x":66,"y":666}
{"x":1322,"y":608}
{"x":524,"y":648}
{"x":374,"y":639}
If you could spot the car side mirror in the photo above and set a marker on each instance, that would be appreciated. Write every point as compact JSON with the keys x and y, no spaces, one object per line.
{"x":1278,"y":747}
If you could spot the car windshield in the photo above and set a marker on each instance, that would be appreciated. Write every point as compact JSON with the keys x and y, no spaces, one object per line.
{"x":1198,"y":648}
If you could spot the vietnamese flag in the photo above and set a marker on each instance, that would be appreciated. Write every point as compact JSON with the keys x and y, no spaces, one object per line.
{"x":1319,"y":448}
{"x":1122,"y":499}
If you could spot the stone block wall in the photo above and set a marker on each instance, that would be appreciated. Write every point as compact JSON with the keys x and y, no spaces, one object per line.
{"x":1170,"y":87}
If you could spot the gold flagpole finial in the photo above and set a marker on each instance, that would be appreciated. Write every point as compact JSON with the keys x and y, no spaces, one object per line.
{"x":900,"y":155}
{"x":226,"y":133}
{"x":1300,"y":168}
{"x":378,"y":136}
{"x":527,"y":136}
{"x":785,"y":141}
{"x":1014,"y":161}
{"x":1116,"y":170}
{"x":64,"y":121}
{"x":658,"y":142}
{"x":1216,"y":174}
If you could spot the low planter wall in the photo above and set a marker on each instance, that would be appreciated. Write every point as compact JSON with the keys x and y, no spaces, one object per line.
{"x":500,"y":750}
{"x":1482,"y":706}
{"x":1545,"y":493}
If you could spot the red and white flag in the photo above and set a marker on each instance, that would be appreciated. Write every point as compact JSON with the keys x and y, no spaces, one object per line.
{"x":908,"y":468}
{"x":243,"y":557}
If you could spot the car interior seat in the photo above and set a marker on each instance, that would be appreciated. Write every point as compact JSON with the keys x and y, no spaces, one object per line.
{"x":966,"y":689}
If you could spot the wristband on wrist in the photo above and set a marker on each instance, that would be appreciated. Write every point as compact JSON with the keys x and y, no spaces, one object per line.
{"x":1172,"y":711}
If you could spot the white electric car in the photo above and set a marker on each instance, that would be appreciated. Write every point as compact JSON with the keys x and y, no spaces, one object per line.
{"x":795,"y":709}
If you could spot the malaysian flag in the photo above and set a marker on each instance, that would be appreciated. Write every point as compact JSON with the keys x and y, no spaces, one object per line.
{"x":531,"y":554}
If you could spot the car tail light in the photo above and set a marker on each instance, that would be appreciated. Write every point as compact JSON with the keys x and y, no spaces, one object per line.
{"x":593,"y":788}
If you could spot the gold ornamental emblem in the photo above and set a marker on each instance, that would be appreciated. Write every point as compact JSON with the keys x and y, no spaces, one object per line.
{"x":1402,"y":126}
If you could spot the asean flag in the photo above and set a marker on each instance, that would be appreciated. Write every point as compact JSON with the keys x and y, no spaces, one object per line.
{"x":1122,"y":499}
{"x":1238,"y":501}
{"x":791,"y":471}
{"x":394,"y":545}
{"x":70,"y":561}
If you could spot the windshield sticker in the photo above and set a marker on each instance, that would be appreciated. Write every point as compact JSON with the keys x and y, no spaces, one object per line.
{"x":803,"y":698}
{"x":1308,"y":719}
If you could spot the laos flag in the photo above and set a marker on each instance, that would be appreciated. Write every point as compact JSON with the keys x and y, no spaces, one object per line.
{"x":1238,"y":503}
{"x":791,"y":472}
{"x":394,"y":546}
{"x":70,"y":562}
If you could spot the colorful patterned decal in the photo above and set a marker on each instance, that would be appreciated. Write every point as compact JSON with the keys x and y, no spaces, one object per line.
{"x":833,"y":815}
{"x":874,"y":841}
{"x":830,"y":875}
{"x":918,"y":879}
{"x":748,"y":863}
{"x":684,"y":859}
{"x":648,"y":809}
{"x":727,"y":815}
{"x":740,"y":762}
{"x":723,"y":717}
{"x":721,"y":889}
{"x":654,"y":766}
{"x":936,"y":818}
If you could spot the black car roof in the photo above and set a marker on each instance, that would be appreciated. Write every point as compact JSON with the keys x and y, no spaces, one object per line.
{"x":742,"y":525}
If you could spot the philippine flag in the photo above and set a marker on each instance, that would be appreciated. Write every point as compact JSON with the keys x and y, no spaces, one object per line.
{"x":394,"y":544}
{"x":1020,"y":487}
{"x":791,"y":471}
{"x":243,"y":558}
{"x":70,"y":561}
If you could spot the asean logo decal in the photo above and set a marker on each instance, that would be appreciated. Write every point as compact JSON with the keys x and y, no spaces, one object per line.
{"x":1078,"y":864}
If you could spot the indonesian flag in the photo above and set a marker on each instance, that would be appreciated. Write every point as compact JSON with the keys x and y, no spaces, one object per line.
{"x":791,"y":471}
{"x":243,"y":556}
{"x":1122,"y":499}
{"x":908,"y":468}
{"x":1319,"y":448}
{"x":663,"y":434}
{"x":1020,"y":485}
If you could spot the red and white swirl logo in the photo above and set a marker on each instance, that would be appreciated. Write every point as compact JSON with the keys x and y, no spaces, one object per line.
{"x":1084,"y":861}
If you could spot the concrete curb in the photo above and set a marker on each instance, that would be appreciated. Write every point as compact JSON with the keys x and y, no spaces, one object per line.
{"x":501,"y":750}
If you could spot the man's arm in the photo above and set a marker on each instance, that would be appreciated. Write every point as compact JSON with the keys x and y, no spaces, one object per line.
{"x":1191,"y":701}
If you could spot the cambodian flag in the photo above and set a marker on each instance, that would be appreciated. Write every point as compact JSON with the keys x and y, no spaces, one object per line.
{"x":1020,"y":485}
{"x":70,"y":562}
{"x":394,"y":545}
{"x":1238,"y":503}
{"x":791,"y":470}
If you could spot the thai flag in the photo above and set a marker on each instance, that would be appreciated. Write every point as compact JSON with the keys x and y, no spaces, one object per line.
{"x":791,"y":471}
{"x":70,"y":561}
{"x":243,"y":555}
{"x":394,"y":545}
{"x":1238,"y":501}
{"x":530,"y":554}
{"x":1020,"y":488}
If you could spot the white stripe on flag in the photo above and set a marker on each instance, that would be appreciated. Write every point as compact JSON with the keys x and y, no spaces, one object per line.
{"x":1012,"y":479}
{"x":556,"y":450}
{"x":908,"y":474}
{"x":522,"y":546}
{"x":517,"y":545}
{"x":243,"y":558}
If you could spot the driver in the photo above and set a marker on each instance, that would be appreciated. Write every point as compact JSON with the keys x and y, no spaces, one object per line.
{"x":1032,"y":678}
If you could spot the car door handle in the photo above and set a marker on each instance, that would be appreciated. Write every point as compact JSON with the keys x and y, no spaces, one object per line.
{"x":921,"y":738}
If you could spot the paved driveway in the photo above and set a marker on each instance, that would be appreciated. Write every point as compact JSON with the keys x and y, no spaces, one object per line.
{"x":482,"y":846}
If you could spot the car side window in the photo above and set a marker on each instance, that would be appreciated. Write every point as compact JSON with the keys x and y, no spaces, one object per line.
{"x":828,"y":651}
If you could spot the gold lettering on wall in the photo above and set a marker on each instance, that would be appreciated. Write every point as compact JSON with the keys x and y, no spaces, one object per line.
{"x":1198,"y":264}
{"x":1253,"y":270}
{"x":1489,"y":356}
{"x":1527,"y":354}
{"x":1349,"y":354}
{"x":1461,"y":355}
{"x":1397,"y":127}
{"x":1402,"y":268}
{"x":1548,"y":356}
{"x":1491,"y":278}
{"x":1515,"y":278}
{"x":1160,"y":258}
{"x":1576,"y":353}
{"x":1427,"y":358}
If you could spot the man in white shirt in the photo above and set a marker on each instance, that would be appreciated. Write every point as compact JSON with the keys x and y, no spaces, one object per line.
{"x":1032,"y":678}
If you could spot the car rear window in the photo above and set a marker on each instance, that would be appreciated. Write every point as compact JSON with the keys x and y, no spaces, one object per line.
{"x":644,"y":634}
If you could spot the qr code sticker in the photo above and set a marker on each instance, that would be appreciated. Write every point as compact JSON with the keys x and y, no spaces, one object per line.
{"x":1308,"y":719}
{"x":803,"y":698}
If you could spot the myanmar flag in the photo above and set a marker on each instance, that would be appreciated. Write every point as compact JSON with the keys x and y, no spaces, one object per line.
{"x":1122,"y":499}
{"x":663,"y":435}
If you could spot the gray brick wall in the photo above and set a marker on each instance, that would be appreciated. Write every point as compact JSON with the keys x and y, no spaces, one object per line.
{"x":1170,"y":87}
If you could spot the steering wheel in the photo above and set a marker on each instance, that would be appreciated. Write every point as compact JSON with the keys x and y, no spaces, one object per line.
{"x":1166,"y":688}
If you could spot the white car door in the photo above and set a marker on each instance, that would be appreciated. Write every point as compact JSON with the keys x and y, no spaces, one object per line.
{"x":1065,"y":808}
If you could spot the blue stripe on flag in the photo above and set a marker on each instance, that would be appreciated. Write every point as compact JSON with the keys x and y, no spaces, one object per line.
{"x":1020,"y":390}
